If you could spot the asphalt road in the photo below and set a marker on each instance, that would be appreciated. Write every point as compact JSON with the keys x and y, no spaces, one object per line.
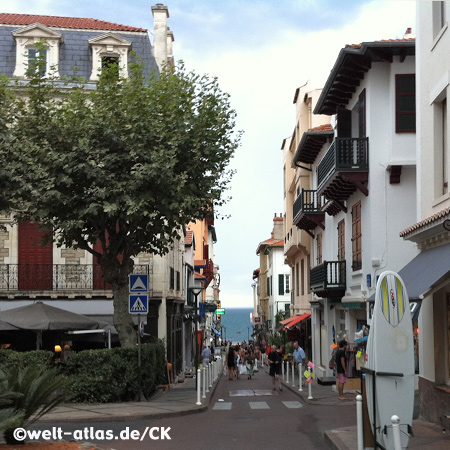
{"x":243,"y":414}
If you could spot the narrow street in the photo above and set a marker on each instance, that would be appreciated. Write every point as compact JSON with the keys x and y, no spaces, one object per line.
{"x":242,"y":414}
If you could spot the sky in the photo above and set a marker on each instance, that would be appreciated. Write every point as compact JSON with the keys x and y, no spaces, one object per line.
{"x":261,"y":51}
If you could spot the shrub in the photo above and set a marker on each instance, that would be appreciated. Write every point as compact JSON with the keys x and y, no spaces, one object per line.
{"x":111,"y":375}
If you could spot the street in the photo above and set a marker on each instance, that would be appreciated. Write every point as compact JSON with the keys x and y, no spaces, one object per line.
{"x":242,"y":414}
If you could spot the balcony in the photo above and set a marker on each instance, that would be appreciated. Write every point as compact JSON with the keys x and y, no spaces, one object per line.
{"x":55,"y":280}
{"x":308,"y":213}
{"x":344,"y":169}
{"x":327,"y":280}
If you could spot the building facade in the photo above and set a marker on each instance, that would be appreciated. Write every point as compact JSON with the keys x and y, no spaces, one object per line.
{"x":427,"y":276}
{"x":362,"y":172}
{"x":67,"y":278}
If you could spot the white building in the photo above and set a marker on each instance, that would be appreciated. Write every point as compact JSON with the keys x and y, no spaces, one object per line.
{"x":363,"y":175}
{"x":427,"y":276}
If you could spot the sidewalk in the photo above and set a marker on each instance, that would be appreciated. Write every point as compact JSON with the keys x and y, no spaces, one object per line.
{"x":182,"y":397}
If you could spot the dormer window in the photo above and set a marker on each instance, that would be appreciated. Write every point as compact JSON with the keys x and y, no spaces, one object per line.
{"x":34,"y":56}
{"x":28,"y":50}
{"x":108,"y":50}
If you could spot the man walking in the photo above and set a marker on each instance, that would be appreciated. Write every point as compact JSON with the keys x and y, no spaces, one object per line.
{"x":299,"y":355}
{"x":275,"y":360}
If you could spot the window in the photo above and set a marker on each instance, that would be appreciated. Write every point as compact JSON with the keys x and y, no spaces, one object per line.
{"x":439,"y":17}
{"x":111,"y":62}
{"x":27,"y":51}
{"x":356,"y":237}
{"x":319,"y":248}
{"x":302,"y":280}
{"x":341,"y":240}
{"x":441,"y":159}
{"x":362,"y":114}
{"x":287,"y":287}
{"x":37,"y":61}
{"x":297,"y":280}
{"x":172,"y":278}
{"x":178,"y":280}
{"x":283,"y":284}
{"x":109,"y":49}
{"x":405,"y":103}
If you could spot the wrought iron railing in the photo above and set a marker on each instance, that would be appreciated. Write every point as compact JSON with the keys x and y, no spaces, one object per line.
{"x":328,"y":275}
{"x":307,"y":202}
{"x":56,"y":277}
{"x":349,"y":154}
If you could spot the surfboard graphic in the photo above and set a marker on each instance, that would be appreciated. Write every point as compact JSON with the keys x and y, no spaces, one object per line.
{"x":393,"y":294}
{"x":390,"y":350}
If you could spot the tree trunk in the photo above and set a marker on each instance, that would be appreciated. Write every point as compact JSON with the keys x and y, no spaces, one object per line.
{"x":122,"y":318}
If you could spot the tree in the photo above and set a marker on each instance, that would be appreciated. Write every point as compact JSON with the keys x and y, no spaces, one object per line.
{"x":126,"y":164}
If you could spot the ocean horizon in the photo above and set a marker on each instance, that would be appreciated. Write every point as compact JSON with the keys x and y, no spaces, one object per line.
{"x":236,"y":324}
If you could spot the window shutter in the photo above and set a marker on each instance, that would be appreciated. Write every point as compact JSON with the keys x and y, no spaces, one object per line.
{"x":281,"y":284}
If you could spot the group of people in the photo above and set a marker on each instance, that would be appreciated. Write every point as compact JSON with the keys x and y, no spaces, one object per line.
{"x":275,"y":359}
{"x":242,"y":359}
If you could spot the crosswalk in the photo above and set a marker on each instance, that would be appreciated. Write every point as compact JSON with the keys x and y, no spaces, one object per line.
{"x":222,"y":405}
{"x":227,"y":406}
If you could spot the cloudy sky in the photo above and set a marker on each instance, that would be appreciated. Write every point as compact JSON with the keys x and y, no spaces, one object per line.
{"x":261,"y":51}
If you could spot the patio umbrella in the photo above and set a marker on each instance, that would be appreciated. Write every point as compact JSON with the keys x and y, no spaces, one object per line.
{"x":40,"y":316}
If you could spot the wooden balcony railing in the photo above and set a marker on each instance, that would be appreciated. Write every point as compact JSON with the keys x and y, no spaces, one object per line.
{"x":344,"y":155}
{"x":328,"y":278}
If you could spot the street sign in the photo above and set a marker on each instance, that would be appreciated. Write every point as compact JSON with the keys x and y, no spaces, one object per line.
{"x":220,"y":311}
{"x":138,"y":283}
{"x":138,"y":304}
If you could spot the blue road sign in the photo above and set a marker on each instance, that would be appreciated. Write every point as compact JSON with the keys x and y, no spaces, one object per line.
{"x":138,"y":304}
{"x":138,"y":283}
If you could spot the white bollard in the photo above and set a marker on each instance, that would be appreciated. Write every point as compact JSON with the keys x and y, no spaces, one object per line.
{"x":396,"y":432}
{"x":287,"y":372}
{"x":282,"y":369}
{"x":300,"y":377}
{"x":293,"y":373}
{"x":359,"y":422}
{"x":310,"y":370}
{"x":204,"y":382}
{"x":199,"y":387}
{"x":208,"y":375}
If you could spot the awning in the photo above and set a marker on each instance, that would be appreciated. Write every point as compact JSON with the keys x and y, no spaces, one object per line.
{"x":429,"y":269}
{"x":297,"y":319}
{"x":285,"y":321}
{"x":215,"y":331}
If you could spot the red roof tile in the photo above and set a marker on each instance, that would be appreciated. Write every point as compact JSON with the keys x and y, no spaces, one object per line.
{"x":189,"y":238}
{"x":424,"y":222}
{"x":326,"y":127}
{"x":65,"y":22}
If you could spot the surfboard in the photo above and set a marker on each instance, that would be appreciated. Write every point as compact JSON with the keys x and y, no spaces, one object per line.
{"x":390,"y":350}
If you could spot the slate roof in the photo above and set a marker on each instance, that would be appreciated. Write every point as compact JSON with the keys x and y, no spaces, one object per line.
{"x":74,"y":50}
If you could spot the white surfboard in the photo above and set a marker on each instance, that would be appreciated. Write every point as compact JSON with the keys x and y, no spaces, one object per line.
{"x":390,"y":350}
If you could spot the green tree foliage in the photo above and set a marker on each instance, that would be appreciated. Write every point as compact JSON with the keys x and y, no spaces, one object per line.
{"x":125,"y":164}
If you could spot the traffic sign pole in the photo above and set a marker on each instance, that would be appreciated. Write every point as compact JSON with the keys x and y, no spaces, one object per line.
{"x":139,"y":359}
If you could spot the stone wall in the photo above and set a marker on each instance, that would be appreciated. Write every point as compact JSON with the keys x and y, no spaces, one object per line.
{"x":434,"y":402}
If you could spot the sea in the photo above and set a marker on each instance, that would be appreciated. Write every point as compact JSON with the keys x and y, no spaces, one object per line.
{"x":237,"y":325}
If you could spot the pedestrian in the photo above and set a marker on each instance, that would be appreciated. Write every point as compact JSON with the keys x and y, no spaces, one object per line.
{"x":299,"y":355}
{"x":206,"y":355}
{"x":341,"y":369}
{"x":231,"y":362}
{"x":250,"y":363}
{"x":275,"y":360}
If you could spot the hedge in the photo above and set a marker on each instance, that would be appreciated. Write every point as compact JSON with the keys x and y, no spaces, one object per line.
{"x":103,"y":376}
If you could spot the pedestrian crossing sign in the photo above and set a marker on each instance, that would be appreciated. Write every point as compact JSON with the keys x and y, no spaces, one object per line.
{"x":138,"y":283}
{"x":138,"y":304}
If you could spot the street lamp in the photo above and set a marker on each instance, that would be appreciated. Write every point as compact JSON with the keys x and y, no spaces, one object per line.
{"x":196,"y":290}
{"x":225,"y":330}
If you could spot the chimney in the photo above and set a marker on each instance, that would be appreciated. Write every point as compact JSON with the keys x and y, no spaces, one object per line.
{"x":278,"y":227}
{"x":160,"y":51}
{"x":170,"y":39}
{"x":408,"y":34}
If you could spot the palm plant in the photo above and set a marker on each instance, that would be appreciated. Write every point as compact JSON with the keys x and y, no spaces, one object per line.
{"x":28,"y":394}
